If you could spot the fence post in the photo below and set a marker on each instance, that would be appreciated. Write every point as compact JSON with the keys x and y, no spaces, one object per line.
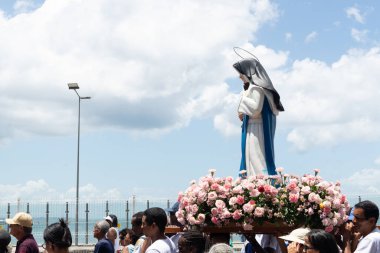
{"x":27,"y":208}
{"x":67,"y":212}
{"x":9,"y":213}
{"x":147,"y":204}
{"x":127,"y":213}
{"x":133,"y":204}
{"x":47,"y":214}
{"x":107,"y":208}
{"x":87,"y":223}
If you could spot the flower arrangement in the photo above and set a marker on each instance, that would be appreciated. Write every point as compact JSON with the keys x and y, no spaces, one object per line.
{"x":297,"y":201}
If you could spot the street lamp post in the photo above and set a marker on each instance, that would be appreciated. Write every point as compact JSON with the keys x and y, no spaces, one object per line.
{"x":75,"y":86}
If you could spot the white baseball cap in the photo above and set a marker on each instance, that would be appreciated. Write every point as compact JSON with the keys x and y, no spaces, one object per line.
{"x":297,"y":235}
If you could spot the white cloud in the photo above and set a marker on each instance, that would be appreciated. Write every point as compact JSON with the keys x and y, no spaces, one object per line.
{"x":354,"y":13}
{"x":365,"y":182}
{"x":359,"y":35}
{"x":162,"y":60}
{"x":152,"y":67}
{"x":377,"y":161}
{"x":311,"y":37}
{"x":40,"y":190}
{"x":330,"y":104}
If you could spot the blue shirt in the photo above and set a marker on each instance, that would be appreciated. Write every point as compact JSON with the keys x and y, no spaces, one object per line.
{"x":104,"y":246}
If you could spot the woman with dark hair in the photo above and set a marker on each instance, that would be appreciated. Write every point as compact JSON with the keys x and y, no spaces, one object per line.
{"x":5,"y":239}
{"x":191,"y":242}
{"x":319,"y":241}
{"x":57,"y":237}
{"x":129,"y":241}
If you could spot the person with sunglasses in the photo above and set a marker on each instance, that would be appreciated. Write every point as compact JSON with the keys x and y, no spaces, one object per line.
{"x":57,"y":237}
{"x":366,"y":214}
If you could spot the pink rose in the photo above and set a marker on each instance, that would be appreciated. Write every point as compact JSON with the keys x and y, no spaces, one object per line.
{"x":240,"y":200}
{"x":212,"y":196}
{"x":194,"y":208}
{"x":215,"y":220}
{"x":191,"y":220}
{"x":326,"y":222}
{"x":312,"y":197}
{"x":226,"y":214}
{"x":214,"y":186}
{"x":250,"y":186}
{"x":220,"y":204}
{"x":227,"y":187}
{"x":232,"y":201}
{"x":254,"y":193}
{"x":259,"y":212}
{"x":292,"y":185}
{"x":237,"y":189}
{"x":202,"y":195}
{"x":293,"y":197}
{"x":236,"y":215}
{"x":201,"y":217}
{"x":214,"y":211}
{"x":248,"y":208}
{"x":229,"y":179}
{"x":267,"y":188}
{"x":327,"y":210}
{"x":305,"y":190}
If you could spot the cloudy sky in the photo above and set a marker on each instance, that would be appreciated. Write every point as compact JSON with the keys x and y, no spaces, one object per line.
{"x":164,"y":95}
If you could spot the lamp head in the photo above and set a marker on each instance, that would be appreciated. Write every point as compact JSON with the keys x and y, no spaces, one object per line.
{"x":73,"y":86}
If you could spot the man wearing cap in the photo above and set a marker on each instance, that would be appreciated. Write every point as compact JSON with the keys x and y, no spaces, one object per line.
{"x":296,"y":237}
{"x":21,"y":228}
{"x":113,"y":222}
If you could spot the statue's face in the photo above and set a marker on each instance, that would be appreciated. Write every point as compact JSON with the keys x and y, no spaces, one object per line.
{"x":244,"y":78}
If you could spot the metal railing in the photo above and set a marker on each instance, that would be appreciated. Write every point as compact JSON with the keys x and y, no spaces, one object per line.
{"x":45,"y":213}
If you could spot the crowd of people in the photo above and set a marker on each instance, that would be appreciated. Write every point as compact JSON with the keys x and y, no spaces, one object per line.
{"x":147,"y":235}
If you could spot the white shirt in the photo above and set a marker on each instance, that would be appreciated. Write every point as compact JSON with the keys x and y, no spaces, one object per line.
{"x":369,"y":243}
{"x":175,"y":239}
{"x":268,"y":241}
{"x":139,"y":243}
{"x":265,"y":241}
{"x":161,"y":246}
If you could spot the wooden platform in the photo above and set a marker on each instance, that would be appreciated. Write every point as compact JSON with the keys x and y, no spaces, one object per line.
{"x":265,"y":228}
